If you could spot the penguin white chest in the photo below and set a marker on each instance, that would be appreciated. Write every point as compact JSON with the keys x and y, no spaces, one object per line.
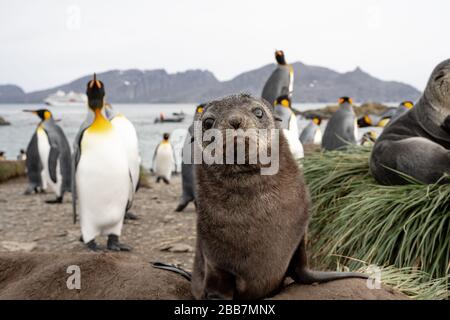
{"x":44,"y":153}
{"x":317,"y":136}
{"x":103,"y":184}
{"x":127,"y":133}
{"x":164,"y":161}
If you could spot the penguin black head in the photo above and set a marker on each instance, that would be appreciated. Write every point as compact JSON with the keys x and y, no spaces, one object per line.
{"x":284,"y":101}
{"x":407,"y":104}
{"x":343,"y":100}
{"x":364,"y":122}
{"x":279,"y":56}
{"x":95,"y":91}
{"x":44,"y":114}
{"x":166,"y":137}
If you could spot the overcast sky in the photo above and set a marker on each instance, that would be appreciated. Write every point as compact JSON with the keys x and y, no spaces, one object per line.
{"x":46,"y":43}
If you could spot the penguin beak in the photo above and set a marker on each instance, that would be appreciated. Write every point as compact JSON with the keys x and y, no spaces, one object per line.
{"x":30,"y":111}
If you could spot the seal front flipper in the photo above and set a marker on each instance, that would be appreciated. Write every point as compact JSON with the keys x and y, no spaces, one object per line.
{"x":172,"y":268}
{"x":298,"y":270}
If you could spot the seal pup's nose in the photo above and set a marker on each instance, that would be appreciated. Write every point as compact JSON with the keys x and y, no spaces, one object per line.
{"x":235,"y":121}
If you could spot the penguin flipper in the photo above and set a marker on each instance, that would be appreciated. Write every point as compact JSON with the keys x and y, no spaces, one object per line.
{"x":172,"y":268}
{"x":75,"y":159}
{"x":53,"y":162}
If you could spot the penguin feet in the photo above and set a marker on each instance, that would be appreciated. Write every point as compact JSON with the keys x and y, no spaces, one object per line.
{"x":181,"y":206}
{"x":130,"y":216}
{"x":115,"y":245}
{"x":56,"y":201}
{"x":166,"y":181}
{"x":92,"y":246}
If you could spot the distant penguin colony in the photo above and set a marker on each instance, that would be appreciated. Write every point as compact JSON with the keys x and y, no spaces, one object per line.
{"x":164,"y":160}
{"x":49,"y":153}
{"x":103,"y":181}
{"x":342,"y":129}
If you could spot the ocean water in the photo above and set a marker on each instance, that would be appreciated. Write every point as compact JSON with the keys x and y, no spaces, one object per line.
{"x":18,"y":134}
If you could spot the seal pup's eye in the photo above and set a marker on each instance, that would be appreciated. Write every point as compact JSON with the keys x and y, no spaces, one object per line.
{"x":208,"y":123}
{"x":258,"y":113}
{"x":439,"y":76}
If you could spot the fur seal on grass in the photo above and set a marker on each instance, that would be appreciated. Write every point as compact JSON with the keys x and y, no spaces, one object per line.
{"x":418,"y":143}
{"x":250,"y":227}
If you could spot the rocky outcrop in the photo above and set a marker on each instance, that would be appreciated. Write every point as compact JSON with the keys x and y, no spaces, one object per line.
{"x":312,"y":84}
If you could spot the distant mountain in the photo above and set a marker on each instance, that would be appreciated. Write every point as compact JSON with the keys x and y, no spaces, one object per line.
{"x":10,"y":93}
{"x":312,"y":84}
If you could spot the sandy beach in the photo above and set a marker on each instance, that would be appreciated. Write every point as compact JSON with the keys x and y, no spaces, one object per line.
{"x":27,"y":223}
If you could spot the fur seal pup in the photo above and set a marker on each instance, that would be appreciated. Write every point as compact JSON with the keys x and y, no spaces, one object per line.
{"x":342,"y":129}
{"x":418,"y":143}
{"x":250,"y":227}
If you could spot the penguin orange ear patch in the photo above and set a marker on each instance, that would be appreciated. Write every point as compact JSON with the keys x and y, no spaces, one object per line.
{"x":341,"y":101}
{"x":285,"y":103}
{"x":408,"y":104}
{"x":47,"y":115}
{"x":316,"y":120}
{"x":91,"y":84}
{"x":98,"y":84}
{"x":199,"y":109}
{"x":367,"y":120}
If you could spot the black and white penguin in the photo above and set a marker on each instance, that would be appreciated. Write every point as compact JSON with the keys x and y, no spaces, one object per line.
{"x":187,"y":167}
{"x":49,"y":151}
{"x":103,"y":180}
{"x":164,"y":160}
{"x":280,"y":82}
{"x":312,"y":133}
{"x":287,"y":121}
{"x":403,"y":108}
{"x":342,"y":128}
{"x":127,"y":132}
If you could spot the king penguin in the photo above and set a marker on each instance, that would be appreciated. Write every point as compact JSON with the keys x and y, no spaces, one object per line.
{"x":34,"y":166}
{"x":164,"y":160}
{"x":127,"y":132}
{"x":187,"y":165}
{"x":49,"y":151}
{"x":288,"y":123}
{"x":103,"y":181}
{"x":312,"y":133}
{"x":280,"y":82}
{"x":403,"y":108}
{"x":342,"y":129}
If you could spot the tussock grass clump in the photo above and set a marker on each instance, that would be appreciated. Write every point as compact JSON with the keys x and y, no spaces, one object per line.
{"x":353,"y":216}
{"x":11,"y":169}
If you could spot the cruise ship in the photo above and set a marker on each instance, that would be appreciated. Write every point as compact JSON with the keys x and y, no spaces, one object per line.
{"x":60,"y":98}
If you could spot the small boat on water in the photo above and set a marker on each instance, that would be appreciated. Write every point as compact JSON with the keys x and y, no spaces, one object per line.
{"x":176,"y":117}
{"x":60,"y":98}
